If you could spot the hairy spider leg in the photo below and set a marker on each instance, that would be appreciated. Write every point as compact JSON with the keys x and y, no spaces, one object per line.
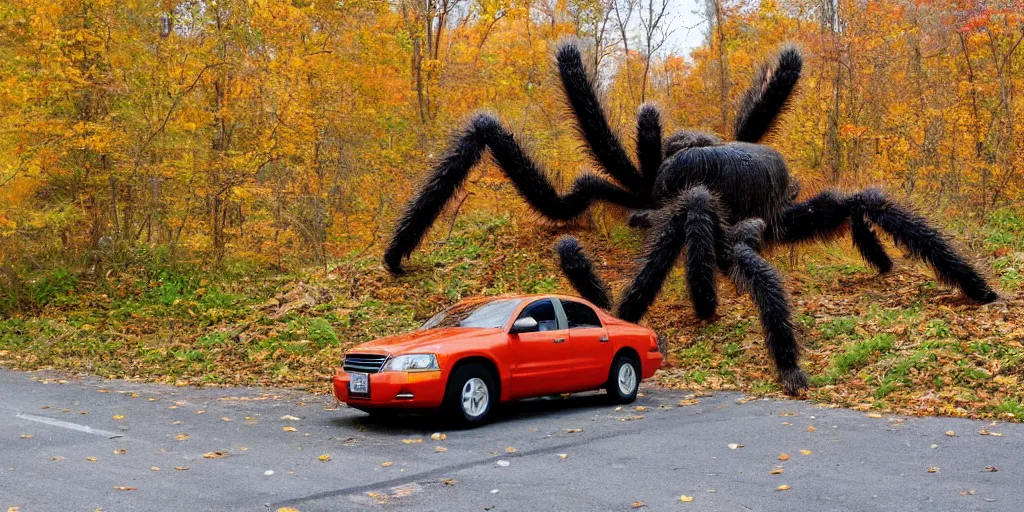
{"x":693,"y":223}
{"x":753,"y":275}
{"x":485,"y":131}
{"x":579,"y":270}
{"x":768,"y":95}
{"x":823,"y":217}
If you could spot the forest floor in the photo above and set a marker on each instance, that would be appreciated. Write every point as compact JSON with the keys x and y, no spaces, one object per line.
{"x":891,"y":343}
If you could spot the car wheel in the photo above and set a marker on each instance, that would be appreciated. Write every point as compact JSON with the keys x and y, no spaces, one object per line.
{"x":623,"y":380}
{"x":469,"y":397}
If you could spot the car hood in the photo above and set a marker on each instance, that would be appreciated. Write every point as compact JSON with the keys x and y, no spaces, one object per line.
{"x":427,"y":341}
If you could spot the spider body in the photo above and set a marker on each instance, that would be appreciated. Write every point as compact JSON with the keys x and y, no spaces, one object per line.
{"x":711,"y":205}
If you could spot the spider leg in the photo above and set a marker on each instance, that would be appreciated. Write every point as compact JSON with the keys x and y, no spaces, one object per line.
{"x":648,"y":143}
{"x":752,"y":274}
{"x":580,"y":271}
{"x":823,"y":217}
{"x":604,"y":145}
{"x":768,"y":95}
{"x":483,"y":132}
{"x":693,"y":222}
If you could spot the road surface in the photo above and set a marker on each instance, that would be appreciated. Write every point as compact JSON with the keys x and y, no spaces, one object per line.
{"x":85,"y":444}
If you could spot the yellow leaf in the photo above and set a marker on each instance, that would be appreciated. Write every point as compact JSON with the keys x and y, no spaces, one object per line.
{"x":638,"y":504}
{"x":811,"y":429}
{"x":563,"y":456}
{"x":289,"y":429}
{"x":118,"y":417}
{"x":287,"y":509}
{"x":120,"y":452}
{"x":215,"y":455}
{"x":448,"y":481}
{"x":26,"y":436}
{"x":784,"y":456}
{"x":691,"y":401}
{"x":874,"y":415}
{"x":933,"y":469}
{"x":386,"y":464}
{"x":437,"y":436}
{"x":511,"y":450}
{"x":92,"y":459}
{"x":950,"y":433}
{"x":181,"y":468}
{"x":154,"y":468}
{"x":440,"y":449}
{"x":641,"y":408}
{"x":573,"y":430}
{"x":776,"y":471}
{"x":325,"y":457}
{"x":782,"y":488}
{"x":412,"y":441}
{"x":805,"y":452}
{"x":181,"y":437}
{"x":686,"y":499}
{"x":125,"y":488}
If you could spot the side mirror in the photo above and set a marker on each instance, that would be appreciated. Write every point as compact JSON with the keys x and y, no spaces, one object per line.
{"x":524,"y":324}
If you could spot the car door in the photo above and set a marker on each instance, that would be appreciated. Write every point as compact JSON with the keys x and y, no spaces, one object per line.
{"x":591,"y":349}
{"x":542,"y":359}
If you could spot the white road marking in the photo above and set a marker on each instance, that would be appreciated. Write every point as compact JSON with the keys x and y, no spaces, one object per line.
{"x":68,"y":425}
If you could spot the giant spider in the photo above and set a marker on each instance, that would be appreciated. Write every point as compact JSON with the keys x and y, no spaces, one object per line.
{"x":721,"y":202}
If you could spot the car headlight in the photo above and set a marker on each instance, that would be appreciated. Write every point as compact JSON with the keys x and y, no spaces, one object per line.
{"x":412,"y":363}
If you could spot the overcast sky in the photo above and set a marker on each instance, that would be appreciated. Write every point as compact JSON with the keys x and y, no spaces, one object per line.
{"x":689,"y":26}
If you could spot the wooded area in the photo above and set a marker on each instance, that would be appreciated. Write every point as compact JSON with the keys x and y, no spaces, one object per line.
{"x":291,"y":132}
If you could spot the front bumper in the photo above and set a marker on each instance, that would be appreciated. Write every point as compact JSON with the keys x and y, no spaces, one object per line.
{"x":412,"y":390}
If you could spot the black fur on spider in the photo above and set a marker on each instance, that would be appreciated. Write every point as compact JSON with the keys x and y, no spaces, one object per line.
{"x":714,"y":205}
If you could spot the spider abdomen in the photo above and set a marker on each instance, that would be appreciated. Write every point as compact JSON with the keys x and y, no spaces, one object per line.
{"x":751,"y":180}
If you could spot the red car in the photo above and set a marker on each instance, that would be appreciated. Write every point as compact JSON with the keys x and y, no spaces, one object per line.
{"x":482,"y":351}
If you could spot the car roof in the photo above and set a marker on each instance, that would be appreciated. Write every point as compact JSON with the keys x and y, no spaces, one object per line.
{"x":532,"y":296}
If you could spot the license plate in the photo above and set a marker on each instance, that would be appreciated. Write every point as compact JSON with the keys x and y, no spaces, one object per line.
{"x":359,"y":384}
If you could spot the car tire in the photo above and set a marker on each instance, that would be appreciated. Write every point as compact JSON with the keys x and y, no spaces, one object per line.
{"x":469,"y":397}
{"x":623,"y":380}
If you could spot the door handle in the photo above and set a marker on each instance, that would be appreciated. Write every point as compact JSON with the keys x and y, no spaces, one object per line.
{"x":559,"y":340}
{"x":603,"y":339}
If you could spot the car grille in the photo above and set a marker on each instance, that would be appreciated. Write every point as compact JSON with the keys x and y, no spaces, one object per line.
{"x":365,"y":363}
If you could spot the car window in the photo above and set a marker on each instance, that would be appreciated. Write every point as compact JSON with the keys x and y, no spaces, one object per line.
{"x":543,"y":311}
{"x":494,"y":314}
{"x":580,"y":315}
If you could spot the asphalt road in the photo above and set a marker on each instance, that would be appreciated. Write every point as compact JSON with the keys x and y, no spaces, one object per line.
{"x":51,"y":427}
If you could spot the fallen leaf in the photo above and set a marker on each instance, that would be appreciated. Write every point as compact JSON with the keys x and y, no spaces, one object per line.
{"x":154,"y":468}
{"x":950,"y":433}
{"x":996,"y":434}
{"x":733,"y":446}
{"x":215,"y":455}
{"x":57,"y":458}
{"x":563,"y":456}
{"x":573,"y":430}
{"x":691,"y":401}
{"x":181,"y":468}
{"x":991,"y":469}
{"x":325,"y":457}
{"x":120,"y":452}
{"x":776,"y":471}
{"x":933,"y":469}
{"x":225,"y":418}
{"x":26,"y":436}
{"x":92,"y":459}
{"x":437,"y":436}
{"x":118,"y":417}
{"x":510,"y":450}
{"x":638,"y":504}
{"x":805,"y":452}
{"x":811,"y":429}
{"x":874,"y":415}
{"x":686,"y":499}
{"x":125,"y":488}
{"x":784,"y":456}
{"x":179,"y":422}
{"x":440,"y":449}
{"x":412,"y":441}
{"x":286,"y":509}
{"x":967,"y":492}
{"x":181,"y":437}
{"x":289,"y":417}
{"x":289,"y":429}
{"x":200,"y":412}
{"x":13,"y":509}
{"x":782,"y":487}
{"x":641,"y":408}
{"x":386,"y":464}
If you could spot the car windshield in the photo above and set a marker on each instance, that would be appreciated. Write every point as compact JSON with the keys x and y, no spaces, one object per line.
{"x":493,"y":314}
